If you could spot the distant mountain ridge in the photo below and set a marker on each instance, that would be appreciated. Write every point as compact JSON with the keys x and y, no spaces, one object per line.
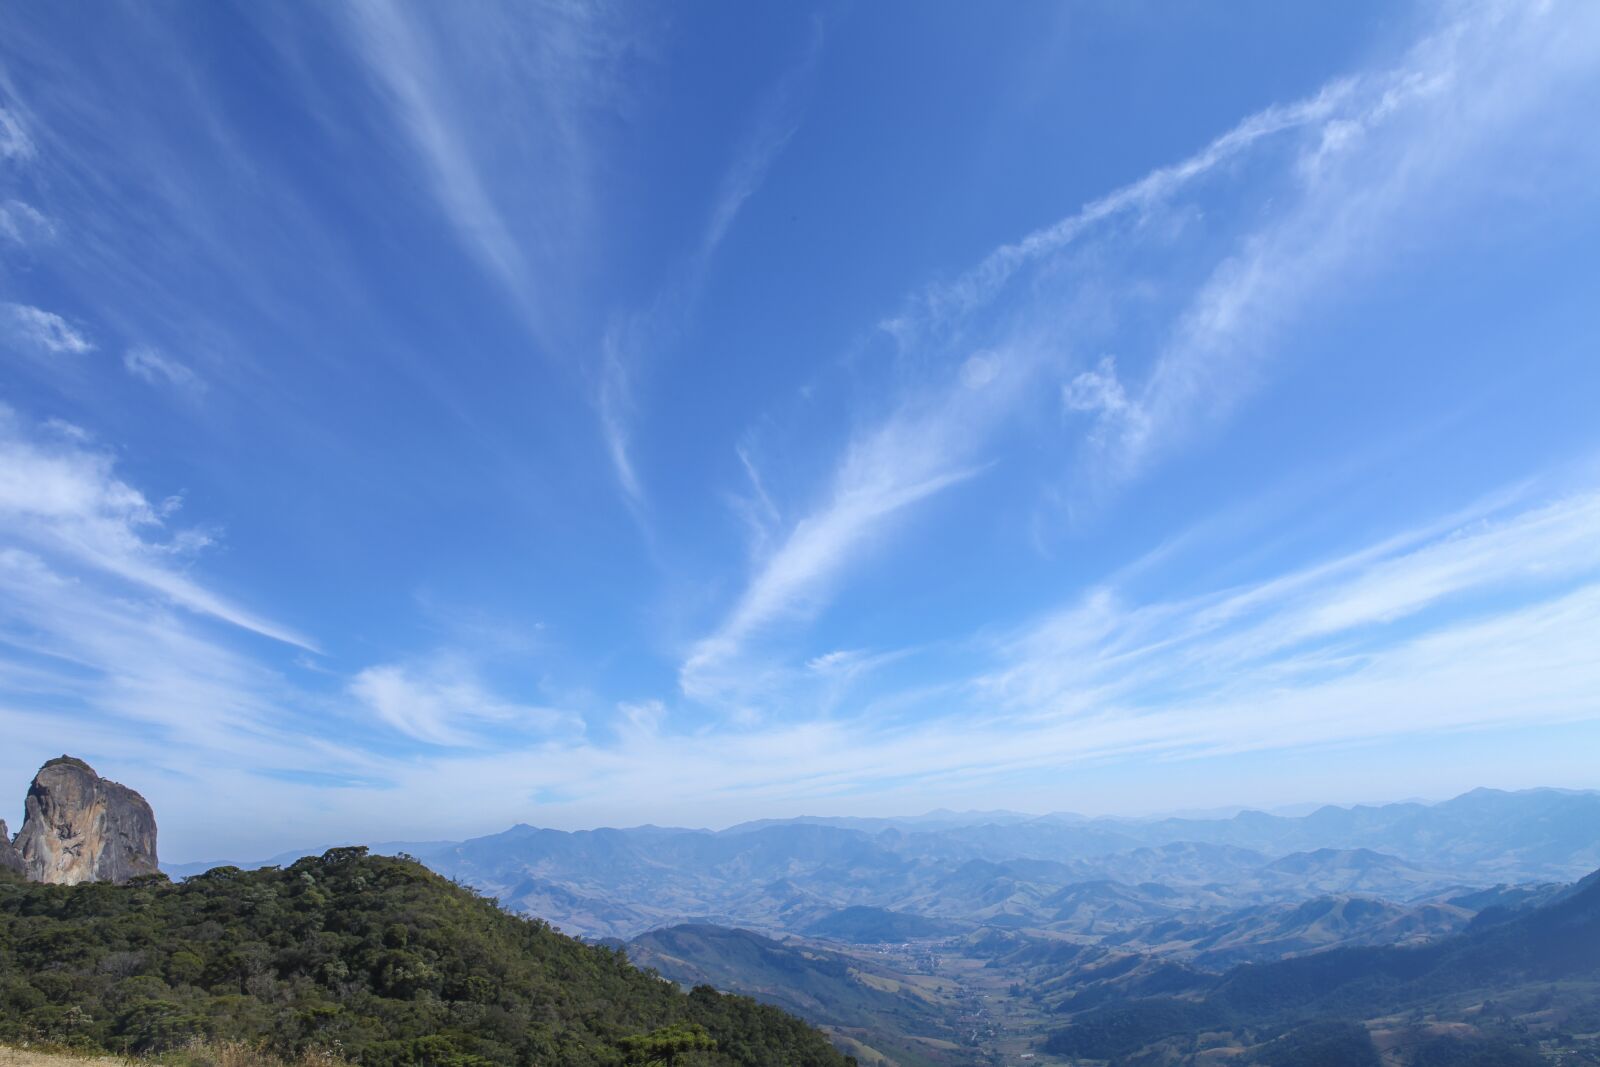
{"x":922,"y":940}
{"x":785,"y":875}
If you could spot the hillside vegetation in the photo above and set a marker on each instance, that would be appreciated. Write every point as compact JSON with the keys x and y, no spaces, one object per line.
{"x":1514,"y":983}
{"x":890,"y":1015}
{"x":375,"y":958}
{"x":865,"y":925}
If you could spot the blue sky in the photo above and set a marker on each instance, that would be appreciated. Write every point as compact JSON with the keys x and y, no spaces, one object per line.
{"x":420,"y":418}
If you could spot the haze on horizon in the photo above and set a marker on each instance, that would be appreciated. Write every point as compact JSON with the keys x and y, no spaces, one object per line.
{"x":419,"y":419}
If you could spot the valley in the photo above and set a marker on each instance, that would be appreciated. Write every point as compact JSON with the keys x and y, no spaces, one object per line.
{"x":997,"y":938}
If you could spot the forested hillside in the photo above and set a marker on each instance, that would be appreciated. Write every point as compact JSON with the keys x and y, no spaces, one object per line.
{"x":377,"y":958}
{"x":1513,"y":984}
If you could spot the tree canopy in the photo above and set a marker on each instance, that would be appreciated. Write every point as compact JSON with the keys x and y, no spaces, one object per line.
{"x":375,"y":958}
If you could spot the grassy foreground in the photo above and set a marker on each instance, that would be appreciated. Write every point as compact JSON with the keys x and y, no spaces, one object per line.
{"x":22,"y":1057}
{"x":215,"y":1054}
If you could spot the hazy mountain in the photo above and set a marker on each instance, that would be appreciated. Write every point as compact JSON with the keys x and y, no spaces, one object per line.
{"x":1020,"y":872}
{"x":1094,"y":907}
{"x":957,"y":941}
{"x":1193,"y":863}
{"x":1490,"y":989}
{"x":941,"y":819}
{"x":1522,"y":836}
{"x":1353,"y":870}
{"x":1276,"y":931}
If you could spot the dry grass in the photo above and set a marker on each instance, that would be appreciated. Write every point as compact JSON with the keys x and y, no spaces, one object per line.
{"x":211,"y":1054}
{"x":239,"y":1054}
{"x":23,"y":1057}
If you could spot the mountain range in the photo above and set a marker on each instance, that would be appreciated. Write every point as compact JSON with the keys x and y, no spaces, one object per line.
{"x":1055,"y":872}
{"x":976,"y":938}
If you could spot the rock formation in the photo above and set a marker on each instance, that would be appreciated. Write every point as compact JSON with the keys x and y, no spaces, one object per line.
{"x":80,"y":827}
{"x":10,"y":859}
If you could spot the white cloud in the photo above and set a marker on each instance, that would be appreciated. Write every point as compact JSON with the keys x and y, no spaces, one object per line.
{"x":1405,"y":157}
{"x":755,"y":508}
{"x":769,"y":135}
{"x":151,"y":365}
{"x":841,"y":659}
{"x":905,"y":460}
{"x":65,"y":500}
{"x":934,"y":435}
{"x":494,"y":102}
{"x":1312,"y":619}
{"x":631,"y":339}
{"x":45,"y":330}
{"x":153,"y":696}
{"x":615,"y":401}
{"x":14,"y":140}
{"x":1107,"y":681}
{"x":1530,"y":665}
{"x":22,"y":224}
{"x":935,"y":306}
{"x":936,"y":430}
{"x":1486,"y":623}
{"x":69,"y":430}
{"x":442,"y":702}
{"x":1099,"y":392}
{"x":641,"y":720}
{"x":128,"y":658}
{"x":1364,"y":161}
{"x":402,"y":58}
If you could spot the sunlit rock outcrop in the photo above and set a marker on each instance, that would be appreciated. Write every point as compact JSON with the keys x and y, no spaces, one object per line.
{"x":10,"y":859}
{"x":80,"y":827}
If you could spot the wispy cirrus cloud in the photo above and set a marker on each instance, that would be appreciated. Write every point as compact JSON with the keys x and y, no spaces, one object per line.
{"x":1317,"y":659}
{"x":1371,"y":160}
{"x":1401,"y":154}
{"x":1114,"y":680}
{"x":157,"y":368}
{"x":1342,"y":650}
{"x":632,"y":339}
{"x":15,"y":144}
{"x":614,"y":401}
{"x":776,"y":121}
{"x":515,"y":180}
{"x":22,"y":223}
{"x":913,"y":456}
{"x":443,"y":702}
{"x":940,"y":305}
{"x":520,"y":184}
{"x":64,"y":499}
{"x":401,"y":55}
{"x":1332,"y":615}
{"x":936,"y":431}
{"x":1476,"y":621}
{"x":44,"y":331}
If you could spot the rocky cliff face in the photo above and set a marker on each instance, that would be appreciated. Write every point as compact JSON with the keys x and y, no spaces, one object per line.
{"x":10,"y":859}
{"x":80,"y":827}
